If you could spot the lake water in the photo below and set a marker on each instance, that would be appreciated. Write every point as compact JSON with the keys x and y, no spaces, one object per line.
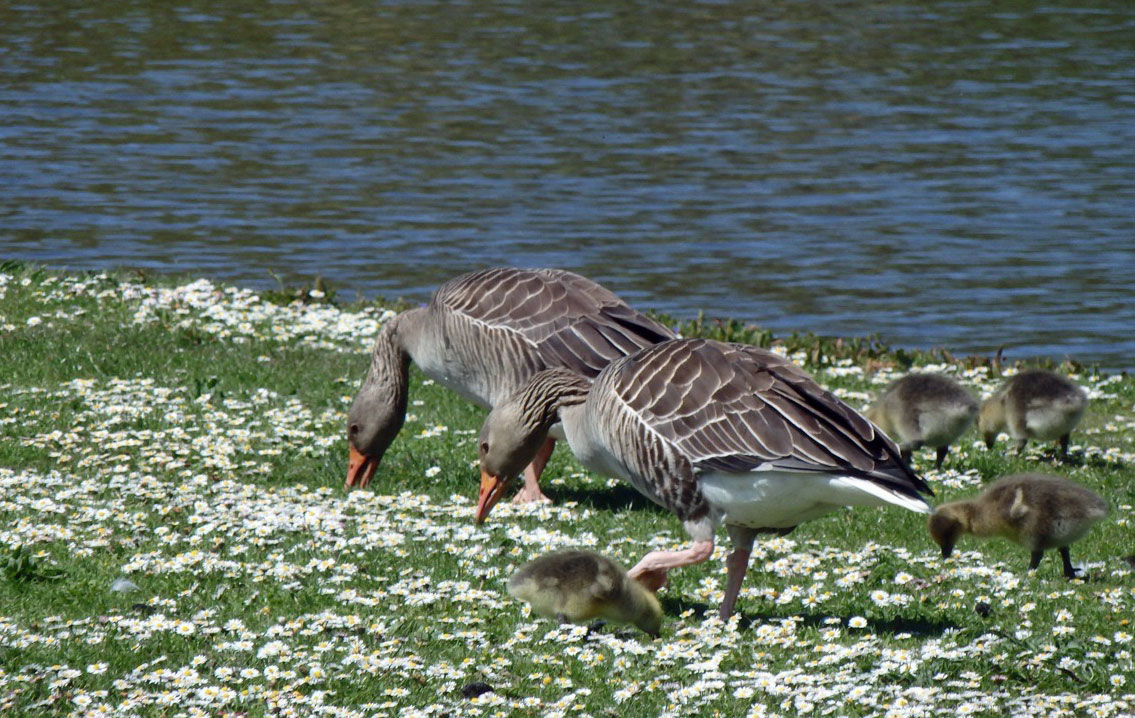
{"x":957,"y":174}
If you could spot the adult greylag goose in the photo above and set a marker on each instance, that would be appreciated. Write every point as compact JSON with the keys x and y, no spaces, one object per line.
{"x":1034,"y":404}
{"x":715,"y":432}
{"x":484,"y":334}
{"x":924,"y":409}
{"x":1037,"y":511}
{"x":579,"y":586}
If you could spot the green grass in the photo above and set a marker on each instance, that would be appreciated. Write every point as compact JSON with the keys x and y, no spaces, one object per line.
{"x":191,"y":440}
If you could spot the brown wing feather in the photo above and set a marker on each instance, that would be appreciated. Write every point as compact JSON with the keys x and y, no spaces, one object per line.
{"x":731,"y":407}
{"x":571,"y":321}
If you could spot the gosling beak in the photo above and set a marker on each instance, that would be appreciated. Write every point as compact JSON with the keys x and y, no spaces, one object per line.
{"x":947,"y":549}
{"x":491,"y":489}
{"x":360,"y":467}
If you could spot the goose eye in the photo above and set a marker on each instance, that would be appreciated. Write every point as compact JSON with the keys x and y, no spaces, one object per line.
{"x":484,"y":448}
{"x":353,"y":430}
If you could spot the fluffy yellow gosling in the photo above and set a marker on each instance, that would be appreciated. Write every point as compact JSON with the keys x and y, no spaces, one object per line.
{"x":1037,"y":511}
{"x":580,"y":586}
{"x":924,"y":409}
{"x":1035,"y":404}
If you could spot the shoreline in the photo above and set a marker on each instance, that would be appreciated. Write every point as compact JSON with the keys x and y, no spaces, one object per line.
{"x":817,"y":348}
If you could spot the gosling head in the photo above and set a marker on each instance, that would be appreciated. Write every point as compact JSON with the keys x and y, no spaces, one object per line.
{"x":946,"y":524}
{"x":649,"y":618}
{"x":991,"y":419}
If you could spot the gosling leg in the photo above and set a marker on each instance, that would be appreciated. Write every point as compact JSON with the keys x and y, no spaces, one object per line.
{"x":1069,"y":570}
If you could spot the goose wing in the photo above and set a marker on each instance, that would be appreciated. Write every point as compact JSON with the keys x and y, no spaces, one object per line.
{"x":735,"y":408}
{"x":569,"y":320}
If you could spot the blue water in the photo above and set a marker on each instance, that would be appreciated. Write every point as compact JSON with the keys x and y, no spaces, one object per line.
{"x":945,"y":174}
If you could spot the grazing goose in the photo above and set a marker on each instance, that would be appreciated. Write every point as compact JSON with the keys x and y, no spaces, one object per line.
{"x":1034,"y":404}
{"x":579,"y":586}
{"x":1037,"y":511}
{"x":715,"y":432}
{"x":924,"y":409}
{"x":484,"y":334}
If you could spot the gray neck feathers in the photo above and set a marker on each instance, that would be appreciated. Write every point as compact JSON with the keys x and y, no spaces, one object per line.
{"x":389,"y":358}
{"x":546,"y":393}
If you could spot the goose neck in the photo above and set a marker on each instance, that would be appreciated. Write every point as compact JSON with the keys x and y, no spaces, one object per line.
{"x":389,"y":358}
{"x":552,"y":396}
{"x":406,"y":330}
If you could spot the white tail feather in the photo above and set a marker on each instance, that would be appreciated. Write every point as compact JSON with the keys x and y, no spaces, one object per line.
{"x":888,"y":495}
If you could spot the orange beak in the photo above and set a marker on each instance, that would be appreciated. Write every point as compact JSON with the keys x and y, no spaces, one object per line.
{"x":491,"y":489}
{"x":360,"y":468}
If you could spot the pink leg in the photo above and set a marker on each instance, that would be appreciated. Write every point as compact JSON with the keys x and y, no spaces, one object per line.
{"x":735,"y":566}
{"x":651,"y":570}
{"x":531,"y":490}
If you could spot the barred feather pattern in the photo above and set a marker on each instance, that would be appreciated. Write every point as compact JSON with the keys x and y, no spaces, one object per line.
{"x":486,"y":363}
{"x":546,"y":394}
{"x":484,"y":334}
{"x":680,"y":408}
{"x":652,"y":465}
{"x":387,"y":360}
{"x":568,"y":320}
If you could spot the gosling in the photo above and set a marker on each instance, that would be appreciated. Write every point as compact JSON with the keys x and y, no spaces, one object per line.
{"x":924,"y":410}
{"x":1037,"y":511}
{"x":579,"y":586}
{"x":1035,"y":404}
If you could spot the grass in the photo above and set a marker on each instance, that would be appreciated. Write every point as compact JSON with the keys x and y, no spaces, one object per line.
{"x":189,"y":438}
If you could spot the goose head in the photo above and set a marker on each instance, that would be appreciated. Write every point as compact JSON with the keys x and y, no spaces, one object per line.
{"x":517,"y":427}
{"x":508,"y":443}
{"x":379,"y":409}
{"x":373,"y":421}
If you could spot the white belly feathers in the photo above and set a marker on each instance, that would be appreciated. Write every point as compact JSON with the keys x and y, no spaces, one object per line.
{"x":776,"y":498}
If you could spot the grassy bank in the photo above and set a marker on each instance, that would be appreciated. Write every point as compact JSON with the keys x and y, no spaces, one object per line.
{"x":184,"y":442}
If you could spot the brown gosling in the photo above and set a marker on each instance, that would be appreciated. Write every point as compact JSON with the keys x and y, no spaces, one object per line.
{"x":1035,"y":404}
{"x":1035,"y":510}
{"x":924,"y":409}
{"x":579,"y":586}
